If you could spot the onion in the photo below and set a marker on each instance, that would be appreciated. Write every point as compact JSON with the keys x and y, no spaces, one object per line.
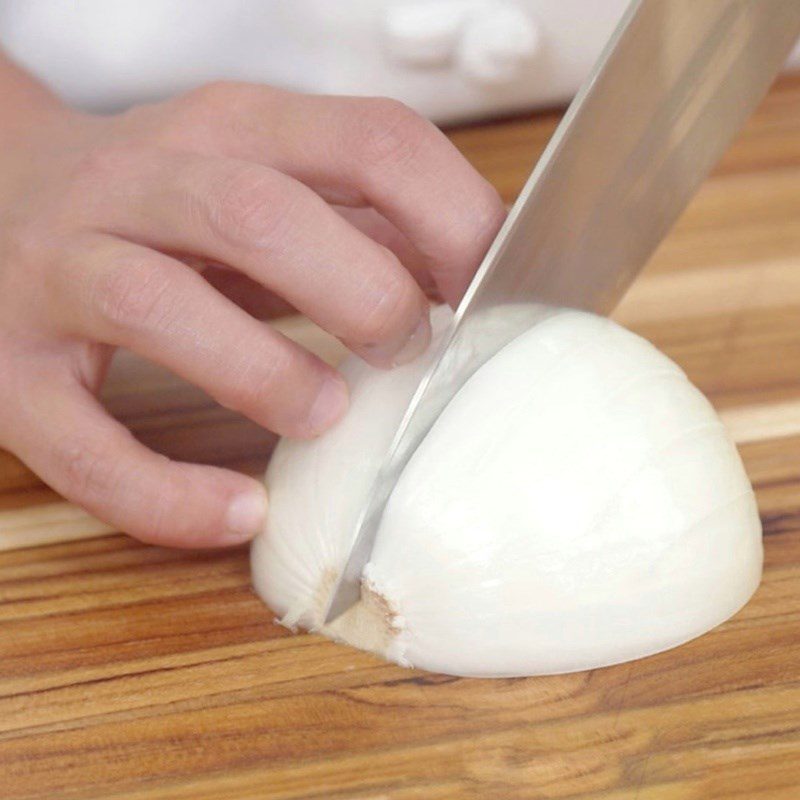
{"x":577,"y":504}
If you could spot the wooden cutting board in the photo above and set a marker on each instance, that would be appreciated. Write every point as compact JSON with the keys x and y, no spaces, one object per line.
{"x":132,"y":672}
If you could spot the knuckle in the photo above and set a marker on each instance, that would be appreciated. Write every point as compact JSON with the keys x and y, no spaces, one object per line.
{"x":24,"y":242}
{"x":466,"y":238}
{"x":85,"y":471}
{"x":490,"y":210}
{"x":386,"y":311}
{"x":104,"y":163}
{"x":203,"y":118}
{"x":130,"y":295}
{"x":210,"y":118}
{"x":215,"y":96}
{"x":206,"y":105}
{"x":390,"y":133}
{"x":191,"y":118}
{"x":253,"y":381}
{"x":246,"y":210}
{"x":158,"y":517}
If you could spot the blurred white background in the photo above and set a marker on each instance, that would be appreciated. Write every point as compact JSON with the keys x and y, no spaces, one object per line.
{"x":452,"y":60}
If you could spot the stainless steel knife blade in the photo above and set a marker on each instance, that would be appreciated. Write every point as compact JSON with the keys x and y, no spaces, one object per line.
{"x":674,"y":84}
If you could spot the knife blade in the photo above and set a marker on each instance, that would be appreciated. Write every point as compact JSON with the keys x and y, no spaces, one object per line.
{"x":675,"y":82}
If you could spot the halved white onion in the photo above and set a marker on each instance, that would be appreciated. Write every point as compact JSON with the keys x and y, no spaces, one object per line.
{"x":577,"y":504}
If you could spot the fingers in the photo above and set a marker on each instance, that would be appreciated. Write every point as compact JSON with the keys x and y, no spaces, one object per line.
{"x":65,"y":436}
{"x":281,"y":234}
{"x":385,"y":155}
{"x":127,"y":295}
{"x":362,"y":151}
{"x":250,"y":296}
{"x":264,"y":304}
{"x":379,"y":229}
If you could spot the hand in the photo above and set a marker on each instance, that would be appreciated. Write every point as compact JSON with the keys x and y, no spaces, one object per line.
{"x":339,"y":206}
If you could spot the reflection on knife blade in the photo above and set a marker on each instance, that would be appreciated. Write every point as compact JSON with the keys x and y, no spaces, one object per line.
{"x":672,"y":87}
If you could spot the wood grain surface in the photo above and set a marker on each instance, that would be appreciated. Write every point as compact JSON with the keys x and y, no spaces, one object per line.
{"x":133,"y":672}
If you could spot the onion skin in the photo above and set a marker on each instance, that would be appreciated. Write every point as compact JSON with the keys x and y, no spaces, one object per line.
{"x":578,"y":504}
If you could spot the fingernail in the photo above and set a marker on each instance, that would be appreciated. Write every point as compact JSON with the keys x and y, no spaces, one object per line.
{"x":246,"y":515}
{"x":417,"y":343}
{"x":330,"y":405}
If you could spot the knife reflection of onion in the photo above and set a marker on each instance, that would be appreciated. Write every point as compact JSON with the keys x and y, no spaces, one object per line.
{"x":577,"y":504}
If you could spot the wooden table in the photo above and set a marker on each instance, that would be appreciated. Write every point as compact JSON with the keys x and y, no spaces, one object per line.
{"x":134,"y":672}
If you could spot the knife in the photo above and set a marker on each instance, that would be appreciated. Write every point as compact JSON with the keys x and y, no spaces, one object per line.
{"x":675,"y":82}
